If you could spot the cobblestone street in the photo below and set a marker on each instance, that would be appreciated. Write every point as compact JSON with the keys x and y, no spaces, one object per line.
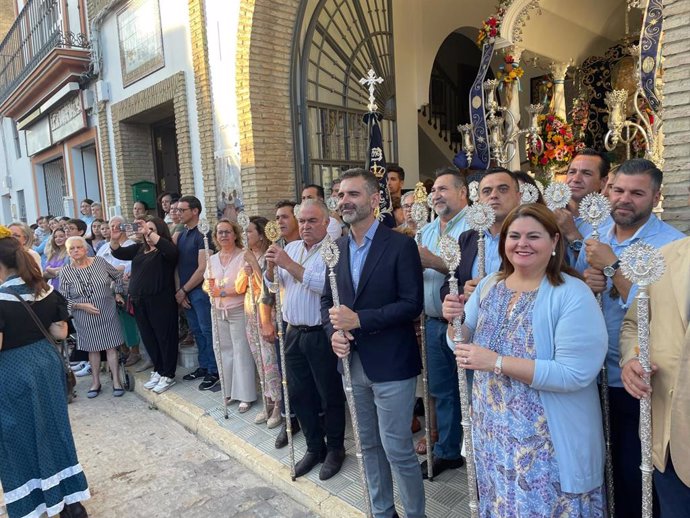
{"x":141,"y":463}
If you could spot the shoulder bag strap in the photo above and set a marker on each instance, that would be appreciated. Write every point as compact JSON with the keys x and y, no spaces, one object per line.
{"x":35,"y":318}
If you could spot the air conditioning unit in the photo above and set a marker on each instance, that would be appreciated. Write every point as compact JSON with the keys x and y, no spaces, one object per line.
{"x":88,"y":98}
{"x":103,"y":91}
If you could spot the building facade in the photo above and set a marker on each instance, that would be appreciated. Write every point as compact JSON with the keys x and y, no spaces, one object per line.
{"x":242,"y":102}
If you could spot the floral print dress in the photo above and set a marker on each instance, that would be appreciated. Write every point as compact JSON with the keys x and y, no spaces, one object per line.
{"x":517,"y":471}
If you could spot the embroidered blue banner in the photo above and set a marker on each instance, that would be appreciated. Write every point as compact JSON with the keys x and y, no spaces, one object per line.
{"x":649,"y":51}
{"x":481,"y":155}
{"x":377,"y":165}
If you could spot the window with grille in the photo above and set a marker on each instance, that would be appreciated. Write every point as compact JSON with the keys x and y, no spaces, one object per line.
{"x":54,"y":185}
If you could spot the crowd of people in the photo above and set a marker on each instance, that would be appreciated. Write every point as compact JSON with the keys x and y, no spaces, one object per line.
{"x":534,"y":337}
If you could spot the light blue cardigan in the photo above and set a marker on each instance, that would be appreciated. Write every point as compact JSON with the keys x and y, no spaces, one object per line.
{"x":571,"y":342}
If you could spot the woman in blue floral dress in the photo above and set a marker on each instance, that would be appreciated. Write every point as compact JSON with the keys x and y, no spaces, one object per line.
{"x":538,"y":340}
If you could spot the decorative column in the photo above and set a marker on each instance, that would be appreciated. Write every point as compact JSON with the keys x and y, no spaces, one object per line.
{"x":514,"y":104}
{"x":559,"y":70}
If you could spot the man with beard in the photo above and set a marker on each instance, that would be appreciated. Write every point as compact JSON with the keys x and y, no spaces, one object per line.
{"x":380,"y":284}
{"x":634,"y":193}
{"x":449,"y":196}
{"x":310,"y":362}
{"x":587,"y":173}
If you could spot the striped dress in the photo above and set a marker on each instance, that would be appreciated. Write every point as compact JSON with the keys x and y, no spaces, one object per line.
{"x":94,"y":284}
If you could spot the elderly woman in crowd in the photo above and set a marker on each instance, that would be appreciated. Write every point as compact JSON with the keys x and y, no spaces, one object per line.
{"x":55,"y":257}
{"x":37,"y":438}
{"x":86,"y":282}
{"x":262,"y":350}
{"x":22,"y":233}
{"x":536,"y":339}
{"x":152,"y":293}
{"x":225,"y":265}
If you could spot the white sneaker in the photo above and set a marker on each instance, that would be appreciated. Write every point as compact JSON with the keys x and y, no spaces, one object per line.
{"x":77,"y":366}
{"x":164,"y":384}
{"x":153,"y":381}
{"x":85,"y":371}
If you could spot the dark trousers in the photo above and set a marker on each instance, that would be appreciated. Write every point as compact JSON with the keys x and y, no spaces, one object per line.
{"x":626,"y":454}
{"x":312,"y":374}
{"x":674,"y":495}
{"x":156,"y":318}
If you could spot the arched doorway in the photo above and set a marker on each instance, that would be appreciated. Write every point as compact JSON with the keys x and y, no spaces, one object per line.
{"x":338,"y":42}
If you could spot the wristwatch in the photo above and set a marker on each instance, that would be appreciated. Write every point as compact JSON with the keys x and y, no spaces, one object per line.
{"x":610,"y":270}
{"x":576,"y":245}
{"x":498,"y":366}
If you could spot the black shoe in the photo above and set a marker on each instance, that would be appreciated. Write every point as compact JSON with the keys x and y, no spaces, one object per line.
{"x":441,"y":465}
{"x":331,"y":464}
{"x":210,"y":381}
{"x":199,"y":373}
{"x":282,"y":440}
{"x":308,"y":462}
{"x":75,"y":510}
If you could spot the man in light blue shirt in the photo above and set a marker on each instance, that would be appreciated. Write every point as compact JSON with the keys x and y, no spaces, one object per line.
{"x":587,"y":173}
{"x":449,"y":196}
{"x":635,"y":192}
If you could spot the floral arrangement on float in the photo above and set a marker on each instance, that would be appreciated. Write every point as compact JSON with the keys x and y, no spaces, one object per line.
{"x":492,"y":25}
{"x":510,"y":71}
{"x":559,"y":144}
{"x":580,"y":117}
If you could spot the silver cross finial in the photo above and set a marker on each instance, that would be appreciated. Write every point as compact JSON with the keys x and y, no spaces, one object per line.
{"x":371,"y":80}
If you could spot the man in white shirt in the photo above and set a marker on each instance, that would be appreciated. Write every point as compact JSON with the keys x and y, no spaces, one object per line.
{"x":311,"y":364}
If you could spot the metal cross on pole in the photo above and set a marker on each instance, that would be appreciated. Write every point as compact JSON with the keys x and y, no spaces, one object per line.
{"x":371,"y":80}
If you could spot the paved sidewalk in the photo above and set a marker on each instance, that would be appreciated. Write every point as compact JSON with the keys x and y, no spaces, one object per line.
{"x":202,"y":412}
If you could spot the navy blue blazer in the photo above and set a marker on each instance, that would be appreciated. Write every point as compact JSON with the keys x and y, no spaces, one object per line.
{"x":390,"y":296}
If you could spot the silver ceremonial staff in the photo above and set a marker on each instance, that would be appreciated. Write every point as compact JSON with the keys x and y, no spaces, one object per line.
{"x":594,"y":209}
{"x":331,"y":255}
{"x":480,"y":217}
{"x":243,"y":221}
{"x":642,"y":264}
{"x":450,"y":253}
{"x":204,"y":227}
{"x":557,"y":195}
{"x":420,"y":215}
{"x":273,"y":234}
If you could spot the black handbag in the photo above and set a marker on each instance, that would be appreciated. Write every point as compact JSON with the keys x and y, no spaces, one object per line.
{"x":70,"y":378}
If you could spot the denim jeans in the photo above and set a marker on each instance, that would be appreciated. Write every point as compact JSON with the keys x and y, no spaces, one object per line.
{"x":384,"y":412}
{"x":443,"y":387}
{"x":199,"y":319}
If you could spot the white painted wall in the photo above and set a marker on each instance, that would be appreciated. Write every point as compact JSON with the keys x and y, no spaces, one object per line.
{"x":18,"y":169}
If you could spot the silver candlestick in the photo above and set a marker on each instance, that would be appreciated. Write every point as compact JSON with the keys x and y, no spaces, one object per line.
{"x":480,"y":217}
{"x":450,"y":253}
{"x":272,"y":232}
{"x":204,"y":227}
{"x":557,"y":195}
{"x":331,"y":254}
{"x":420,"y":214}
{"x":243,"y":221}
{"x":594,"y":209}
{"x":642,"y":264}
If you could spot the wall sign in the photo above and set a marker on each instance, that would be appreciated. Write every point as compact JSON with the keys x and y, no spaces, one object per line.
{"x":67,"y":119}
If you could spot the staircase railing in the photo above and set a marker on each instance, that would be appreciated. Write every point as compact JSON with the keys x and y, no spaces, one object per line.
{"x":444,"y":111}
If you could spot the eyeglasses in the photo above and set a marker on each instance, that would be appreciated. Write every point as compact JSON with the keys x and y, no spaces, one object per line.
{"x":224,"y":232}
{"x":407,"y":206}
{"x":183,"y":210}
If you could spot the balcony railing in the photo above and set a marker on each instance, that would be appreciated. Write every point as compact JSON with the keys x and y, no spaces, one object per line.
{"x":37,"y":30}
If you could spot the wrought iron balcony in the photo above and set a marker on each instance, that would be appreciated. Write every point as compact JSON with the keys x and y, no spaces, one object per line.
{"x":38,"y":30}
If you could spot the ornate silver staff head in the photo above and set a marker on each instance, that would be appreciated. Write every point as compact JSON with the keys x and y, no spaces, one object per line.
{"x":204,"y":227}
{"x":430,"y":201}
{"x":474,"y":191}
{"x":243,"y":220}
{"x":557,"y":195}
{"x":595,"y":208}
{"x":642,"y":264}
{"x":330,"y":252}
{"x":480,"y":217}
{"x":528,"y":193}
{"x":332,"y":203}
{"x":450,"y":253}
{"x":420,"y":212}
